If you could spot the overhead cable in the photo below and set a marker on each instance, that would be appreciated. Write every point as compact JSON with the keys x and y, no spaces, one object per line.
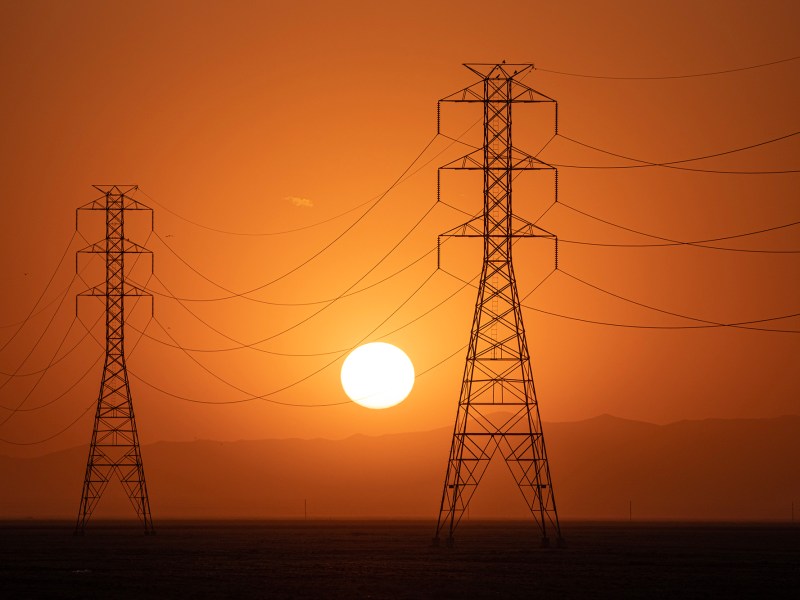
{"x":75,"y":384}
{"x":268,"y":396}
{"x":241,"y":346}
{"x":667,"y":242}
{"x":375,"y":199}
{"x":678,"y":164}
{"x":53,"y":362}
{"x":39,"y":299}
{"x":14,"y":373}
{"x":234,"y":295}
{"x":55,"y":435}
{"x":659,"y":77}
{"x":321,"y":309}
{"x":705,"y":324}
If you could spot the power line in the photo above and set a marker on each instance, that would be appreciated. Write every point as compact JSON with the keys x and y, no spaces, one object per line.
{"x":346,"y":230}
{"x":444,"y":360}
{"x":375,"y":199}
{"x":69,"y":389}
{"x":241,"y":346}
{"x":740,"y":325}
{"x":267,"y":397}
{"x":57,"y":296}
{"x":360,"y":279}
{"x":661,"y":327}
{"x":256,"y":233}
{"x":673,"y":164}
{"x":677,"y":164}
{"x":703,"y":243}
{"x":39,"y":299}
{"x":314,"y":314}
{"x":667,"y":242}
{"x":55,"y":435}
{"x":429,"y":311}
{"x":62,"y":394}
{"x":198,"y":401}
{"x":39,"y":379}
{"x":706,"y":325}
{"x":538,"y":285}
{"x":684,"y":160}
{"x":53,"y":362}
{"x":661,"y":77}
{"x":243,"y":296}
{"x":41,"y":309}
{"x":310,"y":226}
{"x":38,"y":341}
{"x":228,"y":402}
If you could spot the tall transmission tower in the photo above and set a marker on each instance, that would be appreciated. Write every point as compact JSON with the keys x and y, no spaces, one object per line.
{"x":497,"y":407}
{"x":114,"y":449}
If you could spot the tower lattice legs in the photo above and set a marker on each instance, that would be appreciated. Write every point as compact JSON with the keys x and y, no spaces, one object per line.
{"x":114,"y":453}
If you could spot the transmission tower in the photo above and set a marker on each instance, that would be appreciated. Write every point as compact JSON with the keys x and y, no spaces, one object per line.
{"x":114,"y":450}
{"x":497,"y":407}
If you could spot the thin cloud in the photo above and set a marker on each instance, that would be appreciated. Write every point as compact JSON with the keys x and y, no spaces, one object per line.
{"x":301,"y":202}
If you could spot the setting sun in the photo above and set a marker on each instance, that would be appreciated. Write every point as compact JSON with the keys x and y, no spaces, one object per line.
{"x":377,"y":375}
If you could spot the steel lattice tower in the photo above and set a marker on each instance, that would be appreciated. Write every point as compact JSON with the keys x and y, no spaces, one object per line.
{"x":114,"y":450}
{"x":497,"y":374}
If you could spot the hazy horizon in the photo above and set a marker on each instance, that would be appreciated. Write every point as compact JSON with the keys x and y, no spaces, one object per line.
{"x":603,"y":468}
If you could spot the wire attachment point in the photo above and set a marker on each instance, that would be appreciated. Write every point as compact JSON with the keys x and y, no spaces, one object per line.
{"x":556,"y":253}
{"x":556,"y":171}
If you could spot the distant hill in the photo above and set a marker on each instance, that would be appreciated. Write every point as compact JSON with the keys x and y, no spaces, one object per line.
{"x":710,"y":469}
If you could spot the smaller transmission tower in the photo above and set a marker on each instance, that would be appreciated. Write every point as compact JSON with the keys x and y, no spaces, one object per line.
{"x":497,"y":408}
{"x":114,"y":449}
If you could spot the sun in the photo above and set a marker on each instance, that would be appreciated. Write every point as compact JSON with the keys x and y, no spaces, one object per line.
{"x":377,"y":375}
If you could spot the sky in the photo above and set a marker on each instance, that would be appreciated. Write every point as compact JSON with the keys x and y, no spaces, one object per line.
{"x":289,"y":154}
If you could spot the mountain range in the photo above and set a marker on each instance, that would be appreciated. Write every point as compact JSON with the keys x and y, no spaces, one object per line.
{"x":602,"y":468}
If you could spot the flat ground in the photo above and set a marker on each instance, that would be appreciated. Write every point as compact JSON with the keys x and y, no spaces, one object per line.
{"x":395,"y":559}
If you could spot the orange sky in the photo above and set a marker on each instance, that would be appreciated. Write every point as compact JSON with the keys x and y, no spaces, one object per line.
{"x":264,"y":117}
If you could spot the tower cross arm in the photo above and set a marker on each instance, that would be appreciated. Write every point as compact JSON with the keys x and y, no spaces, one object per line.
{"x":115,"y":191}
{"x":123,"y":202}
{"x":99,"y":291}
{"x":518,"y":160}
{"x":502,"y":70}
{"x":128,"y":203}
{"x":128,"y":247}
{"x":129,"y":289}
{"x":472,"y":228}
{"x":518,"y":228}
{"x":522,"y":228}
{"x":519,"y":92}
{"x":522,"y":161}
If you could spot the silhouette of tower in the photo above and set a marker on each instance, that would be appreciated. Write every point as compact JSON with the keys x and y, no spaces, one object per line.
{"x":114,"y":450}
{"x":497,"y":407}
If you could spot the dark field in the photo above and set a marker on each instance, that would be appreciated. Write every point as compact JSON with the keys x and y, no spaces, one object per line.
{"x":395,"y":559}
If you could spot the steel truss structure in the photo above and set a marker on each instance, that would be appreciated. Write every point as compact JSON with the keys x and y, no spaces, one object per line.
{"x":114,"y":449}
{"x":497,"y":407}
